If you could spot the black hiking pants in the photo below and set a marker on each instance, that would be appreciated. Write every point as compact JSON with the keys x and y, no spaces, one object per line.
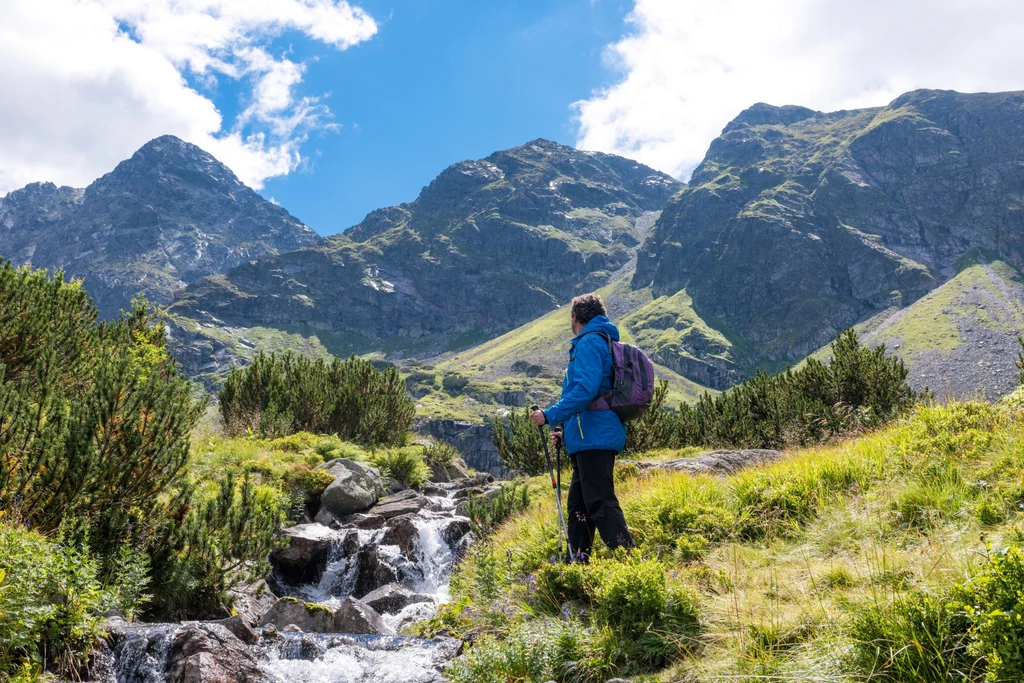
{"x":592,"y":504}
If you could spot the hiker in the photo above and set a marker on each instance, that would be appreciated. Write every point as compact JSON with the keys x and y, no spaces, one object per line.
{"x":592,"y":437}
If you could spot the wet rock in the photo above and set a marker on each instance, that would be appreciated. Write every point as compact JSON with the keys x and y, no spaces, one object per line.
{"x":373,"y":571}
{"x":455,"y":530}
{"x":309,"y":547}
{"x":393,"y":598}
{"x":356,"y":617}
{"x":722,"y":462}
{"x":363,"y":521}
{"x":452,"y":647}
{"x":291,"y":628}
{"x":355,"y":488}
{"x":239,"y":628}
{"x":308,"y":617}
{"x":435,"y":490}
{"x":403,"y":503}
{"x":306,"y":648}
{"x":252,"y":601}
{"x":465,"y":493}
{"x":403,"y":532}
{"x":210,"y":653}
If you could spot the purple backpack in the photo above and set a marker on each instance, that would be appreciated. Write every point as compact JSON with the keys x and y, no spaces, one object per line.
{"x":632,"y":381}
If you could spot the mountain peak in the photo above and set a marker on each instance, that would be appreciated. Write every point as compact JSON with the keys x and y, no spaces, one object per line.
{"x":761,"y":114}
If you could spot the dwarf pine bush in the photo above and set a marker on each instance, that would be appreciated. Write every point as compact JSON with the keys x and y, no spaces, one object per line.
{"x":95,"y":420}
{"x":280,"y":394}
{"x":520,"y":445}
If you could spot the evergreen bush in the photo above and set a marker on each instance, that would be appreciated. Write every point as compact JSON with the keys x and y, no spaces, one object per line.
{"x":280,"y":394}
{"x":520,"y":445}
{"x":95,"y":420}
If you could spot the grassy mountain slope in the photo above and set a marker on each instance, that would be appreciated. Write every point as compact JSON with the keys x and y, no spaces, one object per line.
{"x":526,"y":365}
{"x":831,"y":564}
{"x":961,"y":338}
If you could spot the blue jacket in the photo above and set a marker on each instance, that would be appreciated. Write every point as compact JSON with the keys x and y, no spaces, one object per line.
{"x":588,"y":375}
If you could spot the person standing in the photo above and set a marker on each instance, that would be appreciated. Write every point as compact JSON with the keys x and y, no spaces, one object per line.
{"x":592,"y":437}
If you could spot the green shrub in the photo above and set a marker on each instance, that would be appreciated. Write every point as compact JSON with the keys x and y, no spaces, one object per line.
{"x":520,"y":445}
{"x":440,"y":454}
{"x":278,"y":395}
{"x":656,"y":428}
{"x":454,"y":384}
{"x":96,"y":419}
{"x":224,"y":539}
{"x":857,"y":389}
{"x":402,"y":464}
{"x":485,"y":514}
{"x":531,"y":652}
{"x":50,"y":595}
{"x":995,"y":601}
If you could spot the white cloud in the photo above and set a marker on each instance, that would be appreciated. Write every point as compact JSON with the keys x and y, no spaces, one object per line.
{"x":688,"y":67}
{"x":86,"y":82}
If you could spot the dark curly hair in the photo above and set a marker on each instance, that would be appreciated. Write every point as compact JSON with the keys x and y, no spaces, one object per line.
{"x":586,"y":307}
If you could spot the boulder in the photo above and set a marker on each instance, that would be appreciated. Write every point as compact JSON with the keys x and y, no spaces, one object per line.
{"x":455,"y":530}
{"x":309,"y":548}
{"x":308,"y":617}
{"x":458,"y":470}
{"x":403,"y":532}
{"x":356,"y":617}
{"x":360,"y":520}
{"x":355,"y":488}
{"x":210,"y":653}
{"x":722,"y":462}
{"x":439,"y":473}
{"x":239,"y":628}
{"x":373,"y":571}
{"x":403,"y":503}
{"x":251,"y":601}
{"x":393,"y":598}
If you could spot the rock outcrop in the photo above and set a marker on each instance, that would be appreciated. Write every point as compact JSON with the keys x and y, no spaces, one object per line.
{"x":310,"y":618}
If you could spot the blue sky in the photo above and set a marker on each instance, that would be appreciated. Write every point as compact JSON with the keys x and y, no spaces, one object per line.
{"x":337,"y":107}
{"x":442,"y":81}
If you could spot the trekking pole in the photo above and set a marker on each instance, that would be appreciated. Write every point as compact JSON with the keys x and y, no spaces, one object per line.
{"x":562,"y":527}
{"x":559,"y":442}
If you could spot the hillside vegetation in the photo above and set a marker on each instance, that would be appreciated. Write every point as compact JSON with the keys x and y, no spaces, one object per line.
{"x":891,"y":557}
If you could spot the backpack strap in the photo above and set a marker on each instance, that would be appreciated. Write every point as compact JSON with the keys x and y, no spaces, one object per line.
{"x":607,"y":338}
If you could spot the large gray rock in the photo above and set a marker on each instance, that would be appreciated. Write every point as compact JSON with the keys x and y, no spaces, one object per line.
{"x":357,"y":618}
{"x":403,"y":532}
{"x":308,"y":544}
{"x":240,"y":628}
{"x":308,"y":617}
{"x":373,"y":571}
{"x":722,"y":462}
{"x":210,"y":653}
{"x":393,"y":598}
{"x":404,"y":503}
{"x":251,"y":601}
{"x":356,"y":487}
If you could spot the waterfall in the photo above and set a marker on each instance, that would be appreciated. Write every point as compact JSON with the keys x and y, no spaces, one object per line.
{"x":142,"y":653}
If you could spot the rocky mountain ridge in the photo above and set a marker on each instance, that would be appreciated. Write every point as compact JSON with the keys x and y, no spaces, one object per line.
{"x":800,"y":223}
{"x":487,"y":246}
{"x":165,"y":217}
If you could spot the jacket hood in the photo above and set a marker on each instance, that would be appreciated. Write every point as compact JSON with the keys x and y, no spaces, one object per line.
{"x":599,"y":323}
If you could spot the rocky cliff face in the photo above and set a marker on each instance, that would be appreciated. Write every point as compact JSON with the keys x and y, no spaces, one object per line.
{"x":165,"y":217}
{"x":487,"y":246}
{"x":799,"y":223}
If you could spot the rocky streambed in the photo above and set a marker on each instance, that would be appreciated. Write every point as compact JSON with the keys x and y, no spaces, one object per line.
{"x":369,"y":564}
